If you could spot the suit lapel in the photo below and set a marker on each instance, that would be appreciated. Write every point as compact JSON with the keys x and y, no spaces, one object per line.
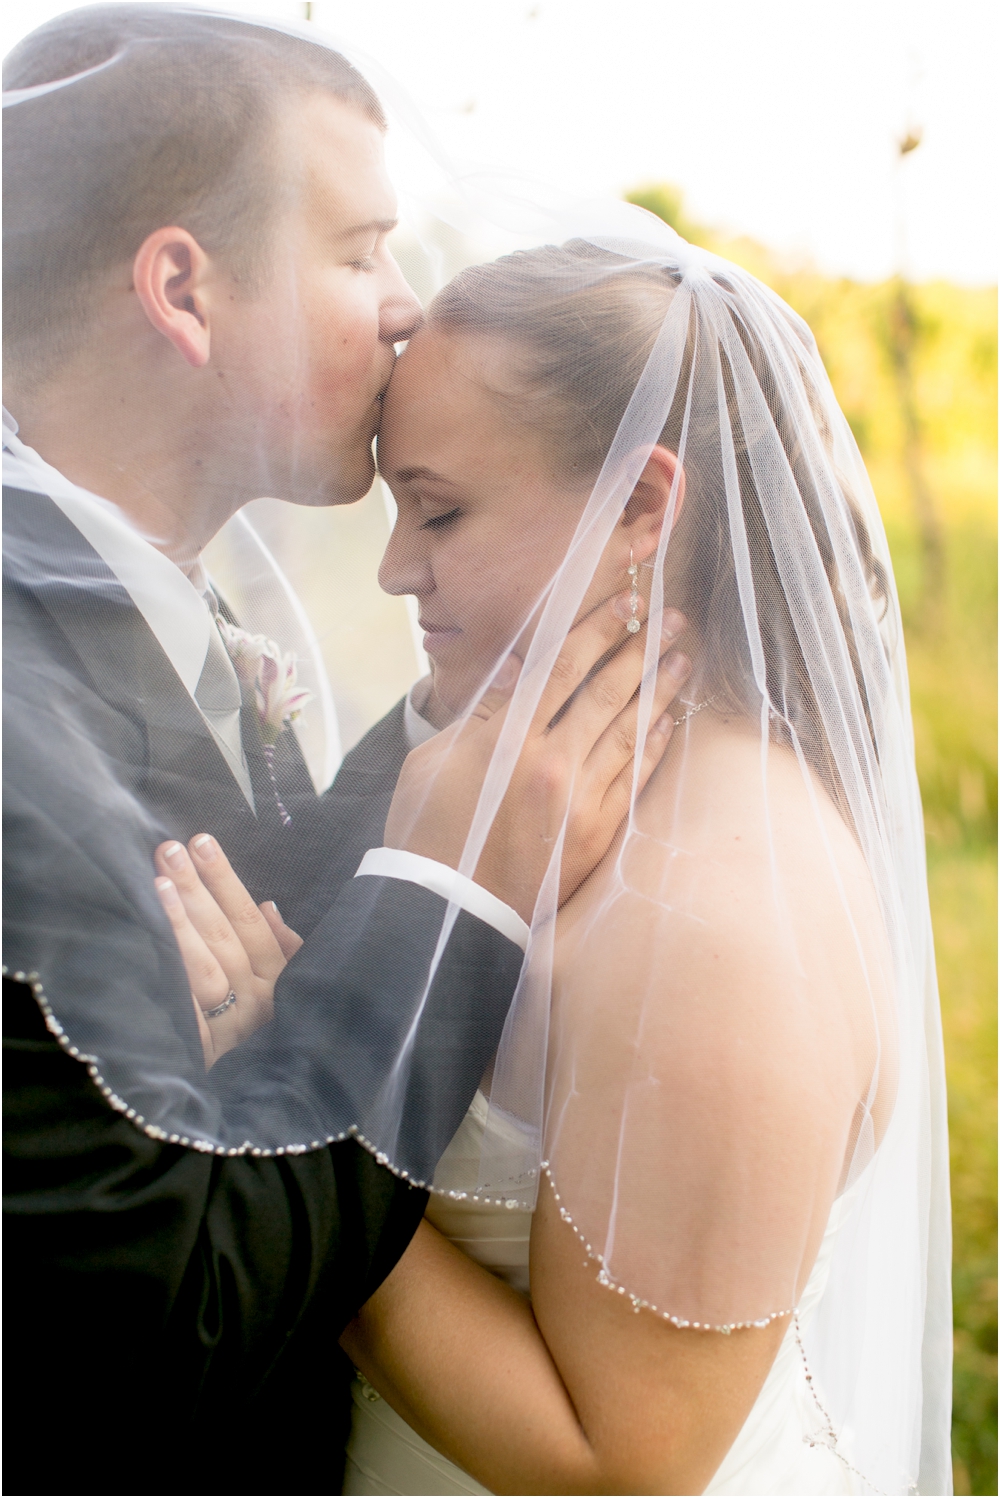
{"x":47,"y":558}
{"x":350,"y":819}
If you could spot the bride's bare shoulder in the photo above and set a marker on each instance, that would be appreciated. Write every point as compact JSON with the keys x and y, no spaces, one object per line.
{"x":741,"y":896}
{"x":734,"y":844}
{"x":724,"y":795}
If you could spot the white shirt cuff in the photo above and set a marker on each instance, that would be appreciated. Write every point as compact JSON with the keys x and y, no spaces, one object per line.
{"x":397,"y":863}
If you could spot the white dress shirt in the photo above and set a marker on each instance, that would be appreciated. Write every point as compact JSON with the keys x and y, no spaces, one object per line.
{"x":416,"y":728}
{"x":175,"y":608}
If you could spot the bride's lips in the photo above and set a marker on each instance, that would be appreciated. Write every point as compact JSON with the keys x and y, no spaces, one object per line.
{"x":436,"y":635}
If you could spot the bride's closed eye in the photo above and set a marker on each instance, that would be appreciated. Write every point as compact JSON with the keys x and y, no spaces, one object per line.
{"x":439,"y":522}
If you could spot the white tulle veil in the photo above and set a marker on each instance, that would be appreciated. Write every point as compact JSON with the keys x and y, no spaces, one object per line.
{"x":697,"y":1139}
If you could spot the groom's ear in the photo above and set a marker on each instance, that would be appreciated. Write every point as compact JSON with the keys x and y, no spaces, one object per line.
{"x":660,"y":487}
{"x":169,"y":275}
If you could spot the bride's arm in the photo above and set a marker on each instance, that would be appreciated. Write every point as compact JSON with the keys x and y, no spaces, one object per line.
{"x":459,"y":1355}
{"x":628,"y":1404}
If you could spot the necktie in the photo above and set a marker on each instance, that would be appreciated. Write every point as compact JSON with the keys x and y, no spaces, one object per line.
{"x":219,"y":697}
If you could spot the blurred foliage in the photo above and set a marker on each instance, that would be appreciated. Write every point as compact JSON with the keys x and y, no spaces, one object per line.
{"x":668,"y":203}
{"x":915,"y":371}
{"x":963,"y":884}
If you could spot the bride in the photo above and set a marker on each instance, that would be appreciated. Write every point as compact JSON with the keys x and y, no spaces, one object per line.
{"x":680,"y":1242}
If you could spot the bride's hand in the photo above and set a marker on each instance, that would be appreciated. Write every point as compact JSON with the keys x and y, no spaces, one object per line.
{"x":233,"y":950}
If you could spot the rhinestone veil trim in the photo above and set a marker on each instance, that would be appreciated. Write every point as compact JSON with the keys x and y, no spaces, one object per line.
{"x":638,"y":1304}
{"x":153,"y":1131}
{"x":827,"y":1438}
{"x":205,"y":1146}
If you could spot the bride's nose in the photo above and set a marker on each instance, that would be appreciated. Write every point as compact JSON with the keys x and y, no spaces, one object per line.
{"x":405,"y":567}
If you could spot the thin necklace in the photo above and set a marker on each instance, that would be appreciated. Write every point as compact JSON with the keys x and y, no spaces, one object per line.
{"x":691,"y":711}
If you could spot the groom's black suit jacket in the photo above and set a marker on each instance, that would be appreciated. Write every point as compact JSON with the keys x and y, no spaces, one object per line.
{"x":172,"y":1316}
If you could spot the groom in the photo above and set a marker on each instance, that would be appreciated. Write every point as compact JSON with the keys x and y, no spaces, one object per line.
{"x":201,"y":309}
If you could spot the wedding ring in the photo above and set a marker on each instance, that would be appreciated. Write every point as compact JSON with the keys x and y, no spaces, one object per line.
{"x":220,"y":1008}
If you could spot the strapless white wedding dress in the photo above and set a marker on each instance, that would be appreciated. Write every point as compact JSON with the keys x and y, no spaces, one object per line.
{"x":772,"y":1453}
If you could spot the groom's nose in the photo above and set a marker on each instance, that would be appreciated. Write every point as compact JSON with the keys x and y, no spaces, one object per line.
{"x":400,"y":314}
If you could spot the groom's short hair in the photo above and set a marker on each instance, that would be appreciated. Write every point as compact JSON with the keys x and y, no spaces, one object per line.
{"x":174,"y":125}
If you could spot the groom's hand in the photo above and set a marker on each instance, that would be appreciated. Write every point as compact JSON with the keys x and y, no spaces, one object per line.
{"x":575,"y":766}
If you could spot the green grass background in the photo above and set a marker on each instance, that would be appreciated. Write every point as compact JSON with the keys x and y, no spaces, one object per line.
{"x":951,"y":647}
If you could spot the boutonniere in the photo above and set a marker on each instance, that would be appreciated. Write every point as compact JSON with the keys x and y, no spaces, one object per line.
{"x":273,"y":677}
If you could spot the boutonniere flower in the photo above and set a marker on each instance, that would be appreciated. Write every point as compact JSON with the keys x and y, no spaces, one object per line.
{"x":273,"y":677}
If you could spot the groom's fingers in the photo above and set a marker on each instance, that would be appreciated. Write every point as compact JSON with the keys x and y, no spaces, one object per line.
{"x":600,"y":634}
{"x":603,"y":707}
{"x":610,"y":769}
{"x":596,"y":636}
{"x":614,"y":791}
{"x":500,"y":689}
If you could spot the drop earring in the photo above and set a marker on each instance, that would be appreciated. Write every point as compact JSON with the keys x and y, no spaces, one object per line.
{"x":633,"y":626}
